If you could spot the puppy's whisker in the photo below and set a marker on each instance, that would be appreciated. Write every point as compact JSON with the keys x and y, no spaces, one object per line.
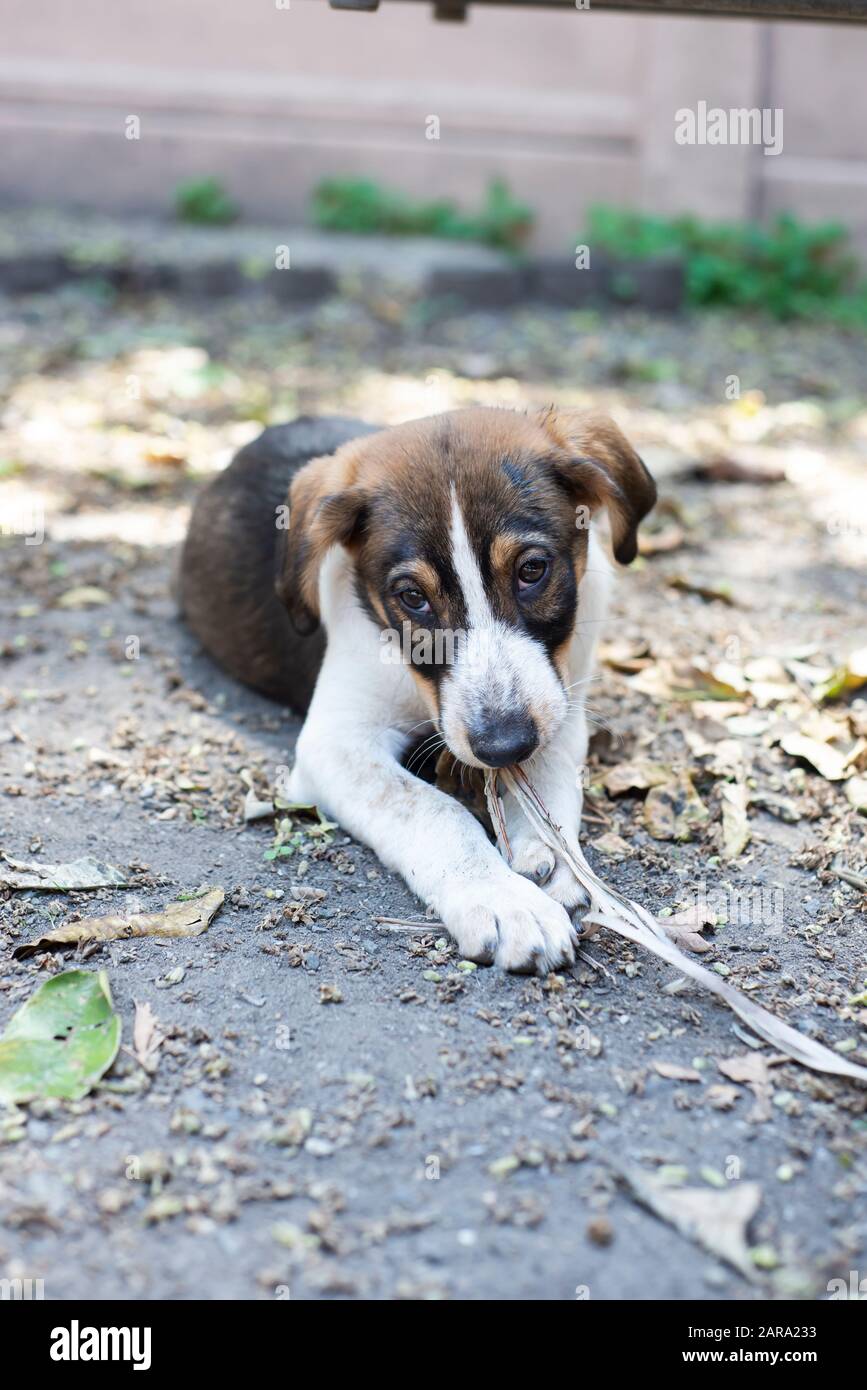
{"x":593,"y":716}
{"x":586,"y":681}
{"x":416,"y":767}
{"x":603,"y":724}
{"x":424,"y":751}
{"x":427,"y":746}
{"x":418,"y":725}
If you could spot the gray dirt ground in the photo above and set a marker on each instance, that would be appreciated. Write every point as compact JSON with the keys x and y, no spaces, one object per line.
{"x":439,"y":1133}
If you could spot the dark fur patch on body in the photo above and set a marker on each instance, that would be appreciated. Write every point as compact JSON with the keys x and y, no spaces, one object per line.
{"x":234,"y":551}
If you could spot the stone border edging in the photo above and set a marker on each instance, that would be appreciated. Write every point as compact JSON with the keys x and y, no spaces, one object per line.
{"x":477,"y":279}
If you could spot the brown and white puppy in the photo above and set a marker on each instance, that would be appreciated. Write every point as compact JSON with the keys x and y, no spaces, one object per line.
{"x":458,"y":568}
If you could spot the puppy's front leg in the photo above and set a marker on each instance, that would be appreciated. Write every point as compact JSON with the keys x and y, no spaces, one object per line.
{"x":438,"y":847}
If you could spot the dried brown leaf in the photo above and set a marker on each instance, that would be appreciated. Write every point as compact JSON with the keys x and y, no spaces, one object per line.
{"x":146,"y":1037}
{"x":613,"y":846}
{"x":672,"y":1072}
{"x":748,"y":1069}
{"x":751,"y":1069}
{"x":60,"y":878}
{"x":735,"y":826}
{"x":684,"y":927}
{"x":639,"y":775}
{"x":721,"y":1097}
{"x":674,"y":810}
{"x":177,"y":919}
{"x":856,"y":792}
{"x":827,"y":761}
{"x":717,"y":1221}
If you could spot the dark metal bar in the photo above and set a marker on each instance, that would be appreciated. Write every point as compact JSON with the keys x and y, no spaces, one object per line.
{"x":851,"y":11}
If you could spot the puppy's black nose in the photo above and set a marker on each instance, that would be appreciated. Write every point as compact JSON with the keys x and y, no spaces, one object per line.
{"x":500,"y":739}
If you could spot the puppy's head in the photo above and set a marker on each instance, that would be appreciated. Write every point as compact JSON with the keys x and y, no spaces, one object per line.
{"x":468,"y":534}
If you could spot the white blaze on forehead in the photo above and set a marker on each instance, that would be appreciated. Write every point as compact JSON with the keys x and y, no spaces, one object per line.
{"x":498,"y":667}
{"x":478,"y":608}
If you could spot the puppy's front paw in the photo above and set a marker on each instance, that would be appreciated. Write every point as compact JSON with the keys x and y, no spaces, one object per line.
{"x":534,"y":860}
{"x":512,"y":923}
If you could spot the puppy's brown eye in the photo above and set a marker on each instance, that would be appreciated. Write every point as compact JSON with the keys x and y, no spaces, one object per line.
{"x":414,"y":600}
{"x":531,"y":571}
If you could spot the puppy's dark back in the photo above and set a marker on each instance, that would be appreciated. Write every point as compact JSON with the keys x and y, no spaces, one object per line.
{"x":232,"y":554}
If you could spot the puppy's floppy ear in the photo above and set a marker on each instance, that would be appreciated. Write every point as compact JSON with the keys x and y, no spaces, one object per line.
{"x":326,"y":508}
{"x":603,"y":469}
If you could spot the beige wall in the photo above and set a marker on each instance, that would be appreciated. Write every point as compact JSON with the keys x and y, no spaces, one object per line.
{"x":572,"y":107}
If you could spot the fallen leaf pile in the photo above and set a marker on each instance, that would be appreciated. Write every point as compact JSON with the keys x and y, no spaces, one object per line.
{"x":611,"y":909}
{"x":777,"y":713}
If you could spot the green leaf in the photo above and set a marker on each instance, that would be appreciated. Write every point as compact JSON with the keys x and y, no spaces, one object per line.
{"x":61,"y":1041}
